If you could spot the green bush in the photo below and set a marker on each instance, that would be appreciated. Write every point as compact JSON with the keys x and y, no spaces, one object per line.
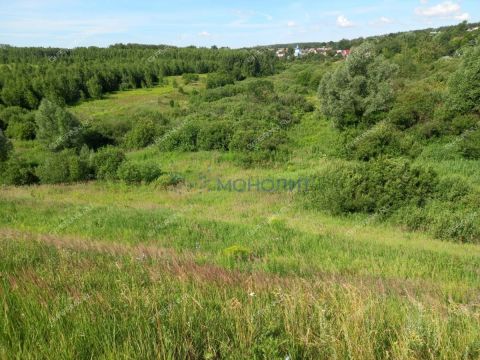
{"x":215,"y":94}
{"x":166,"y":181}
{"x":16,"y":171}
{"x":133,"y":173}
{"x":215,"y":136}
{"x":470,"y":144}
{"x":11,"y":113}
{"x":297,"y":101}
{"x":142,"y":135}
{"x":378,"y":186}
{"x":107,"y":161}
{"x":57,"y":128}
{"x":382,"y":139}
{"x":5,"y":147}
{"x":414,"y":105}
{"x":464,"y":123}
{"x":215,"y":80}
{"x":63,"y":167}
{"x":22,"y":128}
{"x":461,"y":226}
{"x":181,"y":138}
{"x":464,"y":92}
{"x":453,"y":188}
{"x":261,"y":90}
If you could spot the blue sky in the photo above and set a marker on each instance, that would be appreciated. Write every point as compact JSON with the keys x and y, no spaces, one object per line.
{"x":72,"y":23}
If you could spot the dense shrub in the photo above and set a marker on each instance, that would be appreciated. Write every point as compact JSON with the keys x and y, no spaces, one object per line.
{"x":107,"y":161}
{"x":464,"y":92}
{"x":464,"y":123}
{"x":215,"y":94}
{"x":166,"y":181}
{"x":377,"y":186}
{"x":182,"y":138}
{"x":133,"y":173}
{"x":261,"y":90}
{"x":414,"y":105}
{"x":453,"y":189}
{"x":57,"y":128}
{"x":142,"y":135}
{"x":22,"y":127}
{"x":470,"y":144}
{"x":461,"y":226}
{"x":5,"y":147}
{"x":297,"y":101}
{"x":215,"y":136}
{"x":10,"y":113}
{"x":382,"y":139}
{"x":215,"y":80}
{"x":16,"y":171}
{"x":63,"y":167}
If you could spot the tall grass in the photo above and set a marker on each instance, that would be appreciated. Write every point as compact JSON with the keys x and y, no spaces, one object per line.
{"x":65,"y":302}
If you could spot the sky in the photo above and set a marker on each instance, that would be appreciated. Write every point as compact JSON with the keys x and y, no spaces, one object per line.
{"x":74,"y":23}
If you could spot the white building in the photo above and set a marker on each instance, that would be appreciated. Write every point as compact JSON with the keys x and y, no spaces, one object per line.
{"x":298,"y":51}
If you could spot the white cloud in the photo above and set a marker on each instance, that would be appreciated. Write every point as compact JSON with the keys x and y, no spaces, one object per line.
{"x":291,"y":24}
{"x":424,"y":1}
{"x":342,"y":21}
{"x":385,"y":20}
{"x":446,"y":10}
{"x":204,"y":34}
{"x":463,"y":17}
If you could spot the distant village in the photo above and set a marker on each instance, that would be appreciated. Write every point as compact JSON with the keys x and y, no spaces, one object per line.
{"x":288,"y":52}
{"x":299,"y":52}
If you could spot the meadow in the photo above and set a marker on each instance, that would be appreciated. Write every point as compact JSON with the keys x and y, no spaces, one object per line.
{"x":115,"y":264}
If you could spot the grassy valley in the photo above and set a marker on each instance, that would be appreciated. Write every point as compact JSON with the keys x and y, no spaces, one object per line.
{"x":245,"y":207}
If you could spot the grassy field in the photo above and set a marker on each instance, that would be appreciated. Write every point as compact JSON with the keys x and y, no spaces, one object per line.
{"x":106,"y":270}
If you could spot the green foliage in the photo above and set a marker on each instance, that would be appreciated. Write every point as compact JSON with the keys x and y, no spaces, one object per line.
{"x":381,"y":139}
{"x":94,"y":88}
{"x":261,"y":90}
{"x":190,"y":78}
{"x":169,"y":180}
{"x":182,"y":138}
{"x":216,"y":80}
{"x":142,"y":135}
{"x":413,"y":105}
{"x":359,"y":90}
{"x":107,"y":161}
{"x":453,"y":188}
{"x":16,"y":171}
{"x":5,"y":147}
{"x":57,"y":129}
{"x":10,"y":113}
{"x":379,"y":186}
{"x":464,"y":92}
{"x":215,"y":136}
{"x":470,"y":144}
{"x":63,"y":167}
{"x":22,"y":127}
{"x":133,"y":173}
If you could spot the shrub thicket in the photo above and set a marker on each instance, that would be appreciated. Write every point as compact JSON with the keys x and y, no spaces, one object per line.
{"x":63,"y":167}
{"x":382,"y":185}
{"x":133,"y":173}
{"x":107,"y":161}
